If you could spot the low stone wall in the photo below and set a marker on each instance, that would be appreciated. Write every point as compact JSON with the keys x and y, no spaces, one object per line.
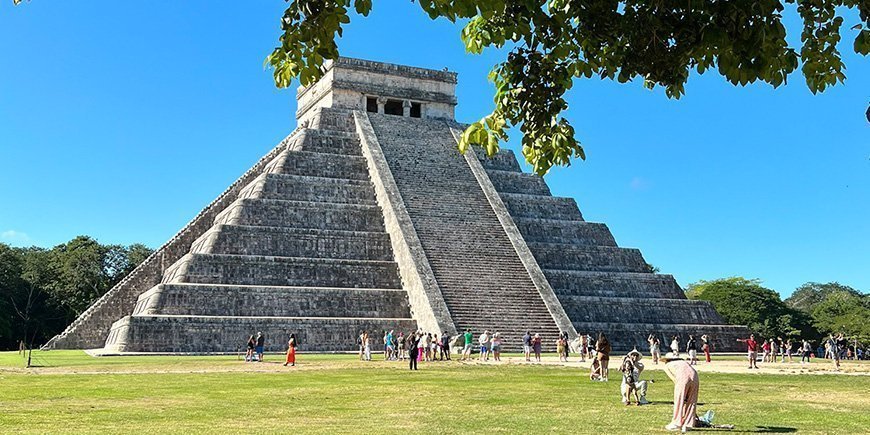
{"x":192,"y":334}
{"x":640,"y":310}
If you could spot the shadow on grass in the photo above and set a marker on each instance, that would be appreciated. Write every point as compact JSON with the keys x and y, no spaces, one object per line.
{"x":774,"y":429}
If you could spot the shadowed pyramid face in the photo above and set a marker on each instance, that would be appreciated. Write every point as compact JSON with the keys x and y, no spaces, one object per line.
{"x":367,"y":218}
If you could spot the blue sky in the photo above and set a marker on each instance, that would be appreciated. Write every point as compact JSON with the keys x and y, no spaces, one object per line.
{"x":121,"y":120}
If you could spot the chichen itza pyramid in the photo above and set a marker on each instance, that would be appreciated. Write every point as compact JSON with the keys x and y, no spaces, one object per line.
{"x":367,"y":217}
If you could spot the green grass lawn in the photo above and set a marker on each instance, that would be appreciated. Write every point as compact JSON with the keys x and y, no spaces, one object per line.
{"x":72,"y":392}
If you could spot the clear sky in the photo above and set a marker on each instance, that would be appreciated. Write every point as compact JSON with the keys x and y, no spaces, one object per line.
{"x":121,"y":120}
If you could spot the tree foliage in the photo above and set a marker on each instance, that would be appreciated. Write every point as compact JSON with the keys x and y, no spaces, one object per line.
{"x":553,"y":42}
{"x":743,"y":301}
{"x":834,"y":308}
{"x":42,"y":290}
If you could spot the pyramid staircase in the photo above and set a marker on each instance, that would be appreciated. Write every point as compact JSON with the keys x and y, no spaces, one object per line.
{"x":302,"y":249}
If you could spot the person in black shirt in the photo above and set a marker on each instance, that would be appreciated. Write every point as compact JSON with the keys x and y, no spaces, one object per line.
{"x":445,"y":346}
{"x":692,"y":350}
{"x":412,"y":350}
{"x":261,"y":342}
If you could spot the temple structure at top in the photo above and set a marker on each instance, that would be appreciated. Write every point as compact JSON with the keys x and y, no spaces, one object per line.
{"x":366,"y":217}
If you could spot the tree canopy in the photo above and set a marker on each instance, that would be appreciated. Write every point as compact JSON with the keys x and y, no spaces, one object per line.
{"x":555,"y":41}
{"x":742,"y":301}
{"x":42,"y":290}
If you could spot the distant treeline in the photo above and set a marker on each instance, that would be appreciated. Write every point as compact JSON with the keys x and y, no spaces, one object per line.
{"x":44,"y":290}
{"x":811,"y":312}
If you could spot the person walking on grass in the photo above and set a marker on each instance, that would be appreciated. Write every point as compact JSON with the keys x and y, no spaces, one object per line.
{"x":536,"y":347}
{"x":692,"y":350}
{"x":484,"y":346}
{"x":706,"y":347}
{"x":367,"y":346}
{"x":469,"y":342}
{"x":413,"y":351}
{"x":527,"y":346}
{"x":445,"y":346}
{"x":261,"y":345}
{"x":806,"y":351}
{"x":654,"y":345}
{"x":495,"y":345}
{"x":602,"y":354}
{"x":686,"y":386}
{"x":249,"y":354}
{"x":291,"y":351}
{"x":751,"y":350}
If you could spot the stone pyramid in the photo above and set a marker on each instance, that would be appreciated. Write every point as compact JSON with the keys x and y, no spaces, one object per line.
{"x":367,"y":218}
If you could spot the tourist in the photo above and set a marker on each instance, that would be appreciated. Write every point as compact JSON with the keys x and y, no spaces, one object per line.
{"x":536,"y":347}
{"x":249,"y":354}
{"x":291,"y":351}
{"x":261,"y":344}
{"x":412,"y":351}
{"x":629,"y":379}
{"x":495,"y":345}
{"x":560,"y":347}
{"x":806,"y":351}
{"x":390,"y":350}
{"x":751,"y":350}
{"x":384,"y":344}
{"x":445,"y":346}
{"x":654,"y":345}
{"x":706,"y":347}
{"x":786,"y":350}
{"x":469,"y":342}
{"x":484,"y":346}
{"x":400,"y":346}
{"x":774,"y":350}
{"x":675,"y":346}
{"x":765,"y":350}
{"x":582,"y":348}
{"x":590,"y":347}
{"x":434,"y":346}
{"x":359,"y":344}
{"x":833,"y":345}
{"x":421,"y":346}
{"x":603,"y":349}
{"x":566,"y":345}
{"x":692,"y":350}
{"x":527,"y":346}
{"x":686,"y":386}
{"x":367,"y":346}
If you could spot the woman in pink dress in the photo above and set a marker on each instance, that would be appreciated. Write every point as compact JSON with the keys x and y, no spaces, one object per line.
{"x":686,"y":385}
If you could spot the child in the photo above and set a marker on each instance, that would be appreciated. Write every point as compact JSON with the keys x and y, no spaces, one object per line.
{"x":628,"y":381}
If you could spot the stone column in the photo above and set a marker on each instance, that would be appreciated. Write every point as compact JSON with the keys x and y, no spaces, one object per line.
{"x":406,"y":108}
{"x":381,"y":102}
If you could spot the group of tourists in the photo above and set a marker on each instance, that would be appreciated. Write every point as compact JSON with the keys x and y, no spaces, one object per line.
{"x":691,"y":349}
{"x":833,"y":348}
{"x":414,"y":346}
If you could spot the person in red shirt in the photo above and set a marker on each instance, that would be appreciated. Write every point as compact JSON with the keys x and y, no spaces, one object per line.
{"x":751,"y":350}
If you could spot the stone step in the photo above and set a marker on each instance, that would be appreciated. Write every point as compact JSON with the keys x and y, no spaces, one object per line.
{"x":319,"y":165}
{"x":611,"y":284}
{"x":282,"y":271}
{"x":276,"y":301}
{"x":213,"y":334}
{"x":302,"y":214}
{"x":510,"y":181}
{"x":504,"y":160}
{"x":329,"y":142}
{"x":326,"y":118}
{"x":639,"y":310}
{"x":539,"y":206}
{"x":625,"y":336}
{"x":565,"y":231}
{"x":294,"y":242}
{"x":589,"y":258}
{"x":312,"y":189}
